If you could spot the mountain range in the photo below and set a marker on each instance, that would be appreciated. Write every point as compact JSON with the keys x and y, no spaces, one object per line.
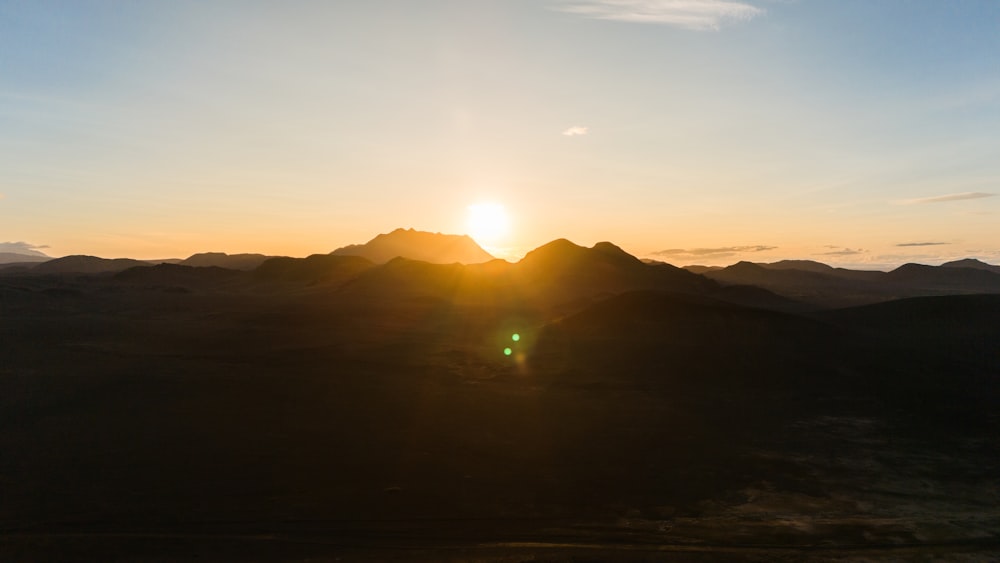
{"x":406,"y":262}
{"x":823,"y":286}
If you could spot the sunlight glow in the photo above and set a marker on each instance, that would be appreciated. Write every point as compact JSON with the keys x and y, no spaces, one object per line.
{"x":487,"y":222}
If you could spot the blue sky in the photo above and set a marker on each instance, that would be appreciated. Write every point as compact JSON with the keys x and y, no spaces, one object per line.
{"x":858,"y":133}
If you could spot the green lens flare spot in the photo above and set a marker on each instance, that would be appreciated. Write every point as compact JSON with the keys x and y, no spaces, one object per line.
{"x":515,"y":337}
{"x":507,"y":351}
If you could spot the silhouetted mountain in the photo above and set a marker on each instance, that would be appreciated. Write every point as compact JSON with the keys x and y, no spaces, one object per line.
{"x":559,"y":274}
{"x":318,"y":268}
{"x":562,"y":268}
{"x":972,"y":263}
{"x":804,"y":265}
{"x":18,"y":258}
{"x":820,"y":268}
{"x":945,"y":278}
{"x":79,"y":264}
{"x":223,"y":260}
{"x":436,"y":248}
{"x":808,"y":285}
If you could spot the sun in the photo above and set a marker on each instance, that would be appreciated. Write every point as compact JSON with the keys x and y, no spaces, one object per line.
{"x":487,"y":222}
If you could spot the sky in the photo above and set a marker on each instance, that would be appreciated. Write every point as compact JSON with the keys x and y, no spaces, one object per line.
{"x":858,"y":133}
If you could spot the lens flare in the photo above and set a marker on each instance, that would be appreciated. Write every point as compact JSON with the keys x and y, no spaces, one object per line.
{"x":507,"y":351}
{"x":515,"y":337}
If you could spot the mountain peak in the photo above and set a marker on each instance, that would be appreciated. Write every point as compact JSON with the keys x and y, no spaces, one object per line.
{"x":744,"y":265}
{"x":609,"y":248}
{"x":562,"y":252}
{"x":410,"y":243}
{"x":603,"y":267}
{"x":971,"y":263}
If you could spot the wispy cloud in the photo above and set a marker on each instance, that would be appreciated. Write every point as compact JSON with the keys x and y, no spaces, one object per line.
{"x":946,"y":198}
{"x":711,"y":253}
{"x":844,"y":252}
{"x":576,"y":130}
{"x":698,"y":15}
{"x":22,"y":248}
{"x":922,"y":243}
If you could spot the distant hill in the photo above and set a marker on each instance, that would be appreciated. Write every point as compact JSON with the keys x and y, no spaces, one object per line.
{"x":86,"y":265}
{"x":947,"y":278}
{"x":818,"y":284}
{"x":18,"y":258}
{"x":222,"y":260}
{"x":972,"y":263}
{"x":821,"y":268}
{"x":792,"y":282}
{"x":825,"y":286}
{"x":804,"y":265}
{"x":436,"y":248}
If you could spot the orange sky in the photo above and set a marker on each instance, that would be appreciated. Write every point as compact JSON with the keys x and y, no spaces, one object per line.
{"x":700,"y":132}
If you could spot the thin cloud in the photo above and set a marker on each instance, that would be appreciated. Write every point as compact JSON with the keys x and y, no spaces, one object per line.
{"x":721,"y":252}
{"x":22,"y":248}
{"x":576,"y":130}
{"x":696,"y":15}
{"x":844,"y":252}
{"x":922,"y":243}
{"x":946,"y":198}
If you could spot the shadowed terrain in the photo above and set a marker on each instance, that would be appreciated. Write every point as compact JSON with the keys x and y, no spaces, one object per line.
{"x":577,"y":405}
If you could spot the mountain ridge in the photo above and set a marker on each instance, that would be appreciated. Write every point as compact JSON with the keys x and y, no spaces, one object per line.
{"x":244,"y":262}
{"x":83,"y":264}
